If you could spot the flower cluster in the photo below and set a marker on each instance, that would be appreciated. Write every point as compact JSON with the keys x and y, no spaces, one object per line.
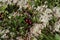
{"x":29,"y":20}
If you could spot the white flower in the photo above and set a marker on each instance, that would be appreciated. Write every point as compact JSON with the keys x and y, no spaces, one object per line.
{"x":9,"y":17}
{"x":2,"y":31}
{"x":45,"y":17}
{"x":6,"y":31}
{"x":22,"y":3}
{"x":12,"y":34}
{"x":36,"y":29}
{"x":38,"y":8}
{"x":57,"y":26}
{"x":42,"y":8}
{"x":4,"y":36}
{"x":3,"y":0}
{"x":19,"y":38}
{"x":48,"y":10}
{"x":9,"y":1}
{"x":15,"y":1}
{"x":56,"y":11}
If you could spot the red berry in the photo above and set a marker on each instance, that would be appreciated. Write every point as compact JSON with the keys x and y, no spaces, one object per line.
{"x":28,"y":21}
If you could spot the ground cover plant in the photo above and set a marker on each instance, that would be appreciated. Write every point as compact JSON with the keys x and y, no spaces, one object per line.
{"x":29,"y":19}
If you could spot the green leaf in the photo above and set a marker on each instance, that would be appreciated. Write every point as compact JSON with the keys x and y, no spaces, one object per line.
{"x":52,"y":21}
{"x":3,"y":8}
{"x":57,"y":37}
{"x":21,"y":19}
